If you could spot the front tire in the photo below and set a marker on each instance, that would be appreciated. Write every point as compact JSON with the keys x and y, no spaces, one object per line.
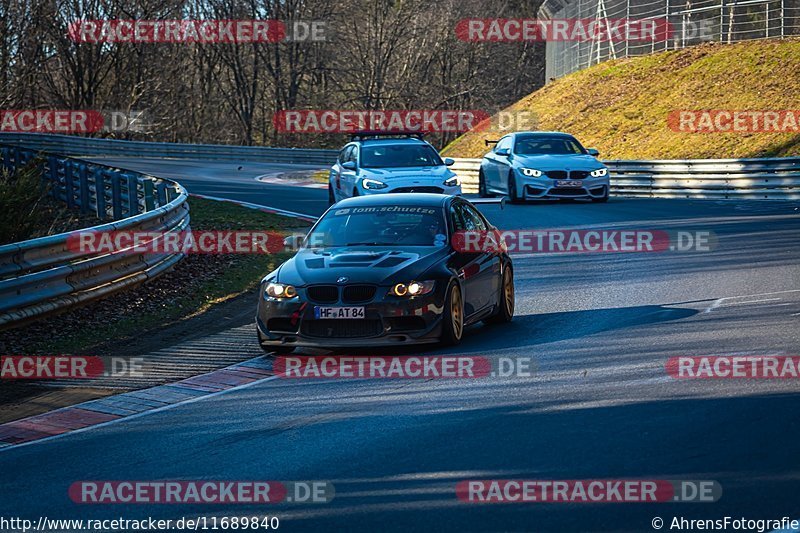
{"x":453,"y":320}
{"x":482,"y":191}
{"x":512,"y":189}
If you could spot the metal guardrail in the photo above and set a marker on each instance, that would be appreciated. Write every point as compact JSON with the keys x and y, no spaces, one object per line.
{"x":776,"y":178}
{"x":43,"y":275}
{"x":86,"y":146}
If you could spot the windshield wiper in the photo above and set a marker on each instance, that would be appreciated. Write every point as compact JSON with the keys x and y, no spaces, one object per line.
{"x":368,"y":243}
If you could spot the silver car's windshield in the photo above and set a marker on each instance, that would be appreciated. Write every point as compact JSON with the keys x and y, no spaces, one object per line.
{"x":380,"y":226}
{"x":399,"y":155}
{"x":548,"y":146}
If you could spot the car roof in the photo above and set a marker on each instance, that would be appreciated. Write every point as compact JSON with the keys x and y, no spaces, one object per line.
{"x":409,"y":140}
{"x":399,"y":198}
{"x":543,"y":134}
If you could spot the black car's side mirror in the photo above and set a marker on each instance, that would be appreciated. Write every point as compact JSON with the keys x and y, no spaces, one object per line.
{"x":349,"y":165}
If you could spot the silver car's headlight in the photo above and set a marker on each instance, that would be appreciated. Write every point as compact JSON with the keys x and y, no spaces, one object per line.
{"x":373,"y":184}
{"x":532,"y":172}
{"x":599,"y":173}
{"x":451,"y":182}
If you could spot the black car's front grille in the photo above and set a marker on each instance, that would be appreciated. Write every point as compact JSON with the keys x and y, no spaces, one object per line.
{"x":405,"y":323}
{"x":435,"y":190}
{"x":342,"y":328}
{"x":325,"y":294}
{"x":281,"y":324}
{"x":557,"y":174}
{"x":579,"y":174}
{"x":358,"y":293}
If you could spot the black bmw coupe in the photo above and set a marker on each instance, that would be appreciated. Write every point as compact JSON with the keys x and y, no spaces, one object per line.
{"x":382,"y":270}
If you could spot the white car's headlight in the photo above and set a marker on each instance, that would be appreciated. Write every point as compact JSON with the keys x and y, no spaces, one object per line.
{"x":532,"y":172}
{"x":599,"y":173}
{"x":412,"y":288}
{"x":372,"y":184}
{"x":451,"y":182}
{"x":280,"y":290}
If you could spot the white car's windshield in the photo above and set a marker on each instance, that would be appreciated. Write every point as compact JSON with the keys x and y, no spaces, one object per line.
{"x":399,"y":155}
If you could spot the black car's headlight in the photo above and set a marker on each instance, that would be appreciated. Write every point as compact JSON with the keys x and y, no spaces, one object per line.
{"x":372,"y":184}
{"x":532,"y":172}
{"x":599,"y":173}
{"x":412,"y":288}
{"x":451,"y":182}
{"x":280,"y":290}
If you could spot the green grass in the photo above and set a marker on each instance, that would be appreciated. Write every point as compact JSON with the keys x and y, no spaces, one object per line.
{"x":620,"y":107}
{"x":196,"y":285}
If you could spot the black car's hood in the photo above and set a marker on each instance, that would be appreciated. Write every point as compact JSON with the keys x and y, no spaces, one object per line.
{"x":360,"y":264}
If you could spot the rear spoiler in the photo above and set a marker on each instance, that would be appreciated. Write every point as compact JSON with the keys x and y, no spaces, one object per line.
{"x":478,"y":201}
{"x":487,"y":142}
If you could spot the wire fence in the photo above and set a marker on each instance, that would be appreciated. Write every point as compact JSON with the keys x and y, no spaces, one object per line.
{"x":686,"y":23}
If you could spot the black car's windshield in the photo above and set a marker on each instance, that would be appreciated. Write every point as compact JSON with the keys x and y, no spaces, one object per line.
{"x":548,"y":146}
{"x":380,"y":226}
{"x":399,"y":155}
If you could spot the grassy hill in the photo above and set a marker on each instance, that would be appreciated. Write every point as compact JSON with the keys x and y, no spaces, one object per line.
{"x":621,"y":106}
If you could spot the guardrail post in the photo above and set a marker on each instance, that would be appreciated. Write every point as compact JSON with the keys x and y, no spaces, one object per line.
{"x":69,"y":185}
{"x":133,"y":195}
{"x":161,"y":189}
{"x":149,"y":198}
{"x":52,"y":175}
{"x":83,"y":184}
{"x":172,"y":193}
{"x":116,"y":196}
{"x":100,"y":192}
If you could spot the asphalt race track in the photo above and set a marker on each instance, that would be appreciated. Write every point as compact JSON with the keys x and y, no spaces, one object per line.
{"x":600,"y":404}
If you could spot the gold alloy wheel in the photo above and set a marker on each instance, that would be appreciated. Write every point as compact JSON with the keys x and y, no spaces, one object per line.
{"x":456,"y":312}
{"x":508,"y":292}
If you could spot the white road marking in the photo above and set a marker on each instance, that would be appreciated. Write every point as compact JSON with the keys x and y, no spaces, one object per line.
{"x":718,"y":302}
{"x":751,"y":302}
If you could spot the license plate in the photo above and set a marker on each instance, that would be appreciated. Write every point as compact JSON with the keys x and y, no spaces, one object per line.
{"x":569,"y":183}
{"x":338,"y":312}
